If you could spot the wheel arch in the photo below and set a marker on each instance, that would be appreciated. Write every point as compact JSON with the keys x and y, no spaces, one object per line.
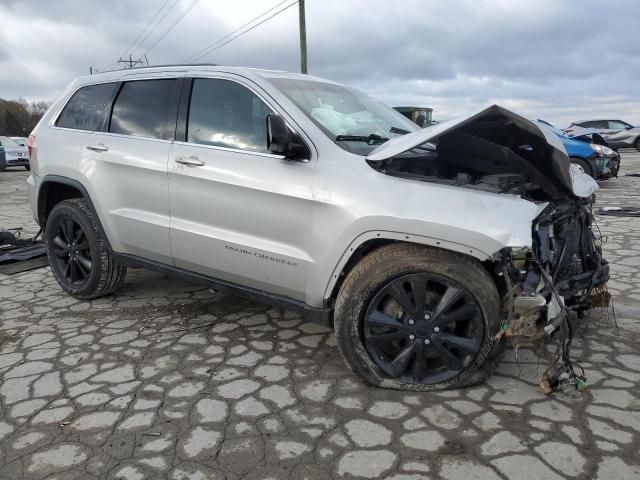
{"x":370,"y":241}
{"x":56,"y":188}
{"x":590,"y":161}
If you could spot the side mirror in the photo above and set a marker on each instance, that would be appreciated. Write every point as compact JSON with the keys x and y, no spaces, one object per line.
{"x":277,"y":135}
{"x":281,"y":141}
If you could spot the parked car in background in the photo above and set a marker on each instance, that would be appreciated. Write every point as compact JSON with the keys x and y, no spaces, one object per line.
{"x":617,"y":133}
{"x":22,"y":141}
{"x":14,"y":155}
{"x":591,"y":154}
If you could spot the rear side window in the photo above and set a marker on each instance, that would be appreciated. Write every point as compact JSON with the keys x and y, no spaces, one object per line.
{"x":142,"y":108}
{"x":226,"y":114}
{"x":88,"y":108}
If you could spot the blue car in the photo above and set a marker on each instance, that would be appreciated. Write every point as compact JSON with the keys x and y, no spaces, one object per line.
{"x":589,"y":153}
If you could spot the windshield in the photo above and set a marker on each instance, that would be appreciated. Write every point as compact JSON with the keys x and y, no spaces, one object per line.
{"x":355,"y":121}
{"x":7,"y":142}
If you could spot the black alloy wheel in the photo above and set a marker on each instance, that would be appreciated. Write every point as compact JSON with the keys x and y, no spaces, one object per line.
{"x":423,"y":328}
{"x":71,"y":251}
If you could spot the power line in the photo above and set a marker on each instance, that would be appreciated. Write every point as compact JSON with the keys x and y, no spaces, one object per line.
{"x":193,"y":4}
{"x":154,"y":27}
{"x":145,"y":28}
{"x":238,"y":32}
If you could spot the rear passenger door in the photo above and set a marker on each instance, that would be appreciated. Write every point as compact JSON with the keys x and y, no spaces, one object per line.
{"x":238,"y":213}
{"x":126,"y":167}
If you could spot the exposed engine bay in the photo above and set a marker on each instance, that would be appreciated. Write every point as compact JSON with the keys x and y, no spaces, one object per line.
{"x":563,"y":270}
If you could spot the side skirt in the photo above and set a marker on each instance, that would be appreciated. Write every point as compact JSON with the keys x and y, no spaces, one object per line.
{"x":323,"y":316}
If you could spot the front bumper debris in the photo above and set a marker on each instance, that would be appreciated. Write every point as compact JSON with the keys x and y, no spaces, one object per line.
{"x":562,"y":273}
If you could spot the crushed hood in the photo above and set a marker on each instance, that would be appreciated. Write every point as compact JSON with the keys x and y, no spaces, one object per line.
{"x":551,"y":157}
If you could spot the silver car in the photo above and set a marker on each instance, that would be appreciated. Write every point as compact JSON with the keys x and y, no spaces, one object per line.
{"x":424,"y":248}
{"x":12,"y":154}
{"x":617,"y":133}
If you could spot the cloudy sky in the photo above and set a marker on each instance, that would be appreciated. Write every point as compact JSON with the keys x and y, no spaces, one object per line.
{"x":552,"y":59}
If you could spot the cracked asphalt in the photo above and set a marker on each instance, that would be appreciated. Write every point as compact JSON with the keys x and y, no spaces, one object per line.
{"x":171,"y":380}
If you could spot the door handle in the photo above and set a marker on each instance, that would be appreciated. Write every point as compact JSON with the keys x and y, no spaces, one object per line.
{"x":100,"y":147}
{"x":190,"y":161}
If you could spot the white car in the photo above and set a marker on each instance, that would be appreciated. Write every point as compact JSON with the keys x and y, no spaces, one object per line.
{"x":22,"y":141}
{"x":12,"y":154}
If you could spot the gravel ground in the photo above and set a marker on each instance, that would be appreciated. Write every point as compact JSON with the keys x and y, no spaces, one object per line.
{"x":172,"y":380}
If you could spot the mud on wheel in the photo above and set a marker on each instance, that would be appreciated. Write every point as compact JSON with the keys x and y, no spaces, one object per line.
{"x":78,"y":254}
{"x":418,"y":318}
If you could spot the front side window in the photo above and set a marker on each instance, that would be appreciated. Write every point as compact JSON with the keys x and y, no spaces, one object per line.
{"x":226,"y":114}
{"x":343,"y":113}
{"x":618,"y":125}
{"x":88,"y":108}
{"x":142,"y":108}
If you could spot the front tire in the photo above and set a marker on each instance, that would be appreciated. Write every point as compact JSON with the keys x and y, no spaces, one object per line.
{"x":78,"y":254}
{"x":586,"y":168}
{"x":411,"y":317}
{"x":637,"y":144}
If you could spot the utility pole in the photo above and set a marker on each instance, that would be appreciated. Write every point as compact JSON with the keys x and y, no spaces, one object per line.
{"x":303,"y":37}
{"x":129,"y":63}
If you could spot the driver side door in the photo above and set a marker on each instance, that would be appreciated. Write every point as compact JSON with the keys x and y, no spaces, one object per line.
{"x":238,"y":212}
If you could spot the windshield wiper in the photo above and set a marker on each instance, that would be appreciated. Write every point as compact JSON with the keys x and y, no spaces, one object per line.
{"x":401,"y":131}
{"x":371,"y":139}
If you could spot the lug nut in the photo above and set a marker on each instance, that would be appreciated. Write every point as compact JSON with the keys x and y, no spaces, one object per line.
{"x":411,"y":321}
{"x":412,"y":337}
{"x":436,"y":329}
{"x":427,"y":316}
{"x":427,"y":341}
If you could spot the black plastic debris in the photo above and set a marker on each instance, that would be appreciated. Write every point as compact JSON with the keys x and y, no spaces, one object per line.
{"x":19,"y":255}
{"x":620,"y":211}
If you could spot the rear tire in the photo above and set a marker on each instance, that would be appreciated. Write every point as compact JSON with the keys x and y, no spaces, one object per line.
{"x":400,"y":264}
{"x":586,"y":168}
{"x":78,"y":254}
{"x":637,"y":144}
{"x":27,"y":167}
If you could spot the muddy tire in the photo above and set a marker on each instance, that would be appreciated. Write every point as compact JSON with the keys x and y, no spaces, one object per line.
{"x":583,"y":165}
{"x":78,"y":254}
{"x":367,"y":311}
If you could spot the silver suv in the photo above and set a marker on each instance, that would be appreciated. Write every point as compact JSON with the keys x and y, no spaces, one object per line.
{"x":425,"y":248}
{"x":617,"y":133}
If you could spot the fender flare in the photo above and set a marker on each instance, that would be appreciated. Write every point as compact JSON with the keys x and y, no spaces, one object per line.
{"x":399,"y":237}
{"x":47,"y":179}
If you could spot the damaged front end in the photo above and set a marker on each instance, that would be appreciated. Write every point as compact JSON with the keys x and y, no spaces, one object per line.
{"x":561,"y":271}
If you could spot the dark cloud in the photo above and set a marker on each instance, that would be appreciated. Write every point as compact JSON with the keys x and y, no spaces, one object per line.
{"x":550,"y":59}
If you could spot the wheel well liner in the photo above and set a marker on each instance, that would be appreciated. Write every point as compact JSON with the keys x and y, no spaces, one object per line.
{"x":360,"y":252}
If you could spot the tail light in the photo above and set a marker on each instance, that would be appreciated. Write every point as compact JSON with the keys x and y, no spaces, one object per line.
{"x":33,"y":160}
{"x":30,"y":141}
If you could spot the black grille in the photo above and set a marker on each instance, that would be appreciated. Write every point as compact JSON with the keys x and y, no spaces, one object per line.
{"x":571,"y":237}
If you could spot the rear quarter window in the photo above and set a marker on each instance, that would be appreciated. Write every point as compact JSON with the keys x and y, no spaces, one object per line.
{"x":88,"y":108}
